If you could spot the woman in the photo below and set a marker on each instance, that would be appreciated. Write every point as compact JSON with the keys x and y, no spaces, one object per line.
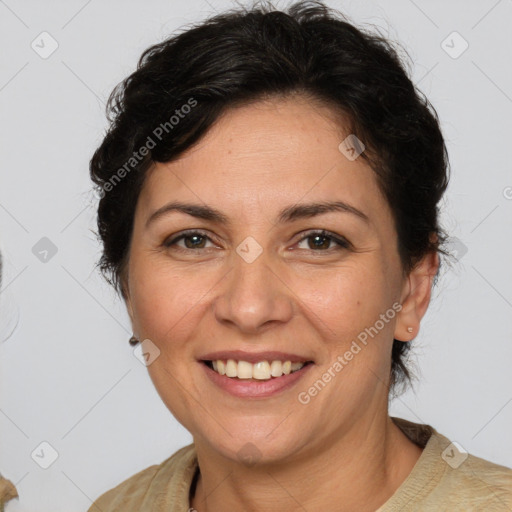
{"x":269,"y":213}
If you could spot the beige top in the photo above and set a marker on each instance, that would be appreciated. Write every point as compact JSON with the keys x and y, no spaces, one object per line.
{"x":444,"y":478}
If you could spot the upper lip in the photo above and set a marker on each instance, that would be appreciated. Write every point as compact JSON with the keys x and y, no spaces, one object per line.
{"x":253,"y":357}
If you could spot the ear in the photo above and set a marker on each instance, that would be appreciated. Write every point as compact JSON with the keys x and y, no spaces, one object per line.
{"x":415,"y":297}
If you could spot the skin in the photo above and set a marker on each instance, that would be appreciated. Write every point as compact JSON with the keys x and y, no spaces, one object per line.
{"x":341,"y":449}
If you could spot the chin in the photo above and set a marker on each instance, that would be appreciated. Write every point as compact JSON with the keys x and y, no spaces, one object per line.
{"x":256,"y":446}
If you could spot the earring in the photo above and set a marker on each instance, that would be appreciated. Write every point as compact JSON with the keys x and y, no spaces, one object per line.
{"x":409,"y":329}
{"x":133,"y":340}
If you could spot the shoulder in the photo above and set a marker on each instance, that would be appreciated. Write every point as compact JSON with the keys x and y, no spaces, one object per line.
{"x":163,"y":482}
{"x":475,"y":484}
{"x":447,"y":478}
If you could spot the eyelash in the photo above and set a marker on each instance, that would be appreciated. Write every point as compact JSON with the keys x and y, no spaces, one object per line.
{"x":341,"y":242}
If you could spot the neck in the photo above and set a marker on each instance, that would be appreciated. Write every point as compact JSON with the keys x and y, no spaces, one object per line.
{"x":358,"y":472}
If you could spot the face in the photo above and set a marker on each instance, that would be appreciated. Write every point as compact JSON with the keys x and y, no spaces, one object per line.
{"x":261,"y":282}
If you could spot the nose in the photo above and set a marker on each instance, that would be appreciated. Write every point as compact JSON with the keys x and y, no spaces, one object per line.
{"x":253,"y":296}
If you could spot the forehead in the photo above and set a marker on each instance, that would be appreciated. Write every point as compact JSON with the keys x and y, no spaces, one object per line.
{"x":273,"y":152}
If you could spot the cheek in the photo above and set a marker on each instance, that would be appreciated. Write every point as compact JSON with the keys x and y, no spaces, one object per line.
{"x":347,"y":299}
{"x":165,"y":299}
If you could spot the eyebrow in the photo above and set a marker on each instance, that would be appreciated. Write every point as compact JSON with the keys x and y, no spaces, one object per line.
{"x":288,"y":214}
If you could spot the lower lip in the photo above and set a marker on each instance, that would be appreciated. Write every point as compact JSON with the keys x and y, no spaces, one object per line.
{"x":252,"y":388}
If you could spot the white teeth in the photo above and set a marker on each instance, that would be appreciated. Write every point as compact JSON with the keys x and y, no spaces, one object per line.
{"x":231,"y":368}
{"x":296,"y":366}
{"x":276,"y":369}
{"x":244,"y":370}
{"x":263,"y":370}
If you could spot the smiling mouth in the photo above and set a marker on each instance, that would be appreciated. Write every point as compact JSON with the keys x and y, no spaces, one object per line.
{"x":262,"y":370}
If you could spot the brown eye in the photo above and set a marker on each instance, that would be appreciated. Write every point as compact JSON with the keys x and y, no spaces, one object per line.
{"x":192,"y":240}
{"x":322,"y":240}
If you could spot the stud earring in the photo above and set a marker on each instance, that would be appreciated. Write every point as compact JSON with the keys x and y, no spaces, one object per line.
{"x":133,"y":340}
{"x":409,"y":329}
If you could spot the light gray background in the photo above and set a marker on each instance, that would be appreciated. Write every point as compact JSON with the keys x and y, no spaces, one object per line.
{"x":68,"y":375}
